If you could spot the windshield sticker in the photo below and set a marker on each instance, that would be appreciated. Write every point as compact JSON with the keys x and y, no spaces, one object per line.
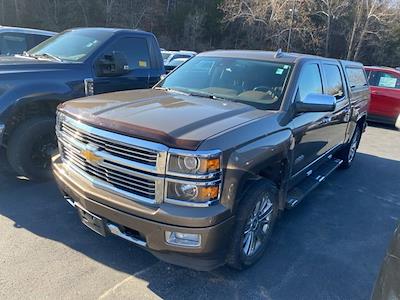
{"x":142,"y":63}
{"x":286,"y":67}
{"x":279,"y":71}
{"x":389,"y":82}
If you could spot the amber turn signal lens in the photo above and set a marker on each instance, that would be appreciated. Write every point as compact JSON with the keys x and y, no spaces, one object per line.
{"x":213,"y":164}
{"x":210,"y":165}
{"x":208,"y":193}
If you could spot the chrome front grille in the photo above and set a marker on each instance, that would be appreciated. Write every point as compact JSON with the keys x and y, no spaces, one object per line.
{"x":130,"y":167}
{"x":118,"y":149}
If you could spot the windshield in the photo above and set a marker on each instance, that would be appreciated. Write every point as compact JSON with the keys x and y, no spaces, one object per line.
{"x":257,"y":83}
{"x":73,"y":46}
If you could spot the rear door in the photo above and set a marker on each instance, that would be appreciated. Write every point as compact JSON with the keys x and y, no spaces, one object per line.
{"x":137,"y":52}
{"x":385,"y":94}
{"x":334,"y":84}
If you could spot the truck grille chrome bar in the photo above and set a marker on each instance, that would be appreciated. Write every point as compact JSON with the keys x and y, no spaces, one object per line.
{"x":130,"y":167}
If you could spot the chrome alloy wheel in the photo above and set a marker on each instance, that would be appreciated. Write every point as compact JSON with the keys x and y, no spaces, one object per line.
{"x":257,"y":226}
{"x":353,"y":146}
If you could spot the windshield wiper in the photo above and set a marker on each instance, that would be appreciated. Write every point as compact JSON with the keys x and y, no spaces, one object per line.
{"x":47,"y":55}
{"x":51,"y":56}
{"x":26,"y":54}
{"x":170,"y":90}
{"x":209,"y":96}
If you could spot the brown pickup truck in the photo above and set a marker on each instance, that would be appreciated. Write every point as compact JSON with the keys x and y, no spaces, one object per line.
{"x":198,"y":168}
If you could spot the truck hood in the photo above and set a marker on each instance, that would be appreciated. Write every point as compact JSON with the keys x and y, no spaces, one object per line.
{"x":17,"y":64}
{"x":173,"y":119}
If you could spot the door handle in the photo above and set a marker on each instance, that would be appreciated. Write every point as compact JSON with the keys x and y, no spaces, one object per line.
{"x":326,"y":120}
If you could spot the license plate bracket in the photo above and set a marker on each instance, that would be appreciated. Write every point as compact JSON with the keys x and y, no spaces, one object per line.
{"x":92,"y":221}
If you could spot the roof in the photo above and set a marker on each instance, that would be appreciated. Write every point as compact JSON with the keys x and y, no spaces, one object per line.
{"x":396,"y":70}
{"x":185,"y":52}
{"x":26,"y":30}
{"x":260,"y":55}
{"x":112,"y":30}
{"x":279,"y":56}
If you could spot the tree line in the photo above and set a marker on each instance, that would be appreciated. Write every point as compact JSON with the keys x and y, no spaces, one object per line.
{"x":363,"y":30}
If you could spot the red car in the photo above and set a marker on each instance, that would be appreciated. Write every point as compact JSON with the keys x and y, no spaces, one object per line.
{"x":385,"y":95}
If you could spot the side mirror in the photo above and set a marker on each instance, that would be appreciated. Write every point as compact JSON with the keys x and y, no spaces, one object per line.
{"x":114,"y":64}
{"x":316,"y":103}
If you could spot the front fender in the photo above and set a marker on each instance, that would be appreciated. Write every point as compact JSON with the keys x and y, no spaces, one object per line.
{"x":266,"y":157}
{"x":24,"y":94}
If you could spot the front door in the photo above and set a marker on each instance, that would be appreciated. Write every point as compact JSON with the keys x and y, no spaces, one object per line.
{"x":385,"y":95}
{"x":136,"y":51}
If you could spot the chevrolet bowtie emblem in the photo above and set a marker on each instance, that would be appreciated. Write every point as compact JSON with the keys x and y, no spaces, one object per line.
{"x":91,"y":157}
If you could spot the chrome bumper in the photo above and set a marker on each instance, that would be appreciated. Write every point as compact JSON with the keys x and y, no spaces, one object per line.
{"x":112,"y":228}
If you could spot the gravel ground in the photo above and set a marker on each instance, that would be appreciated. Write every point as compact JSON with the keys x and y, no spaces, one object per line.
{"x":330,"y":247}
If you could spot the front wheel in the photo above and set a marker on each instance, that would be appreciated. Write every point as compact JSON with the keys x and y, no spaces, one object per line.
{"x":31,"y":146}
{"x":256,"y":217}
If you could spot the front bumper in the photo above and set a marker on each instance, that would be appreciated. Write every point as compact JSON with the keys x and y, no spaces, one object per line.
{"x":150,"y":224}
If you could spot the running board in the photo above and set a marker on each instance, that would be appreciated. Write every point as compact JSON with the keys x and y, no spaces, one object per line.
{"x":313,"y":179}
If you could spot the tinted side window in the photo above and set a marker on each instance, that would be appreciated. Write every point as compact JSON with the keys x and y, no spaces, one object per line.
{"x":384,"y":79}
{"x":310,"y":81}
{"x":334,"y":85}
{"x":180,"y":56}
{"x":136,"y":51}
{"x":356,"y":77}
{"x":36,"y":39}
{"x":12,"y":43}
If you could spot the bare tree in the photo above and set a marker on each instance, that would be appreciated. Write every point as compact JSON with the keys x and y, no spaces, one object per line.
{"x":331,"y":10}
{"x":108,"y":11}
{"x":357,"y":19}
{"x":273,"y":19}
{"x":377,"y":13}
{"x":17,"y":11}
{"x":193,"y":28}
{"x":84,"y":12}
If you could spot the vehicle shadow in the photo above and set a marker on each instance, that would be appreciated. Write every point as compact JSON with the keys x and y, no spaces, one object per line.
{"x":330,"y":246}
{"x":382,"y":126}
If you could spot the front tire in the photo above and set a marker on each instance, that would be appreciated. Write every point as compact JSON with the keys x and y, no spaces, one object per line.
{"x":257,"y":214}
{"x":31,"y":146}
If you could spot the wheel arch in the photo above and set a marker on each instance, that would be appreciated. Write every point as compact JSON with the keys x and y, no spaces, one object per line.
{"x":29,"y":101}
{"x":26,"y":110}
{"x":265,"y":159}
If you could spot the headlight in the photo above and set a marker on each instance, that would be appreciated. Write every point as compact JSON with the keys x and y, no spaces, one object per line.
{"x":194,"y":178}
{"x":196,"y":163}
{"x":193,"y":192}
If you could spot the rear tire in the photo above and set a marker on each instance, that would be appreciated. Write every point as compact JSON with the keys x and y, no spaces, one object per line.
{"x":257,"y":214}
{"x":348,"y":153}
{"x":31,"y":146}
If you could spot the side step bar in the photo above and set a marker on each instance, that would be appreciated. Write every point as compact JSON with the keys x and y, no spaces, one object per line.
{"x":300,"y":191}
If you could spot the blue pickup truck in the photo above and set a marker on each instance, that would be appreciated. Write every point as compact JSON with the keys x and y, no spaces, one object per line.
{"x":75,"y":63}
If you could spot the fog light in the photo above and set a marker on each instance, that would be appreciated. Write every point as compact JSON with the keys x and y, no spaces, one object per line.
{"x":183,"y":239}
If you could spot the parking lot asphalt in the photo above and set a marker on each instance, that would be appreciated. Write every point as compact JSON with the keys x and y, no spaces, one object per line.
{"x":329,"y":247}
